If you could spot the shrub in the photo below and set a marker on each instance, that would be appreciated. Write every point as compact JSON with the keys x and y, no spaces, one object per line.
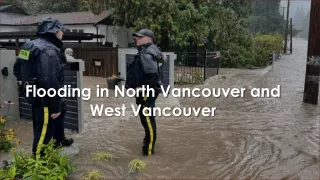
{"x":270,"y":42}
{"x":103,"y":156}
{"x":260,"y":57}
{"x":8,"y":141}
{"x":93,"y":175}
{"x":250,"y":51}
{"x":52,"y":165}
{"x":236,"y":56}
{"x":137,"y":165}
{"x":197,"y":77}
{"x":113,"y":77}
{"x":264,"y":45}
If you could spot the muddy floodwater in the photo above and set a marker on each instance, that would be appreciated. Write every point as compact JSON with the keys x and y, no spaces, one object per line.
{"x":247,"y":138}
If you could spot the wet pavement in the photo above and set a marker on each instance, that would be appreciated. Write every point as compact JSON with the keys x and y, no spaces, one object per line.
{"x":269,"y":138}
{"x":248,"y":138}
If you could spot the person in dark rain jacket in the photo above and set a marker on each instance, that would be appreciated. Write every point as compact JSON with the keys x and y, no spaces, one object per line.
{"x":40,"y":63}
{"x":144,"y":71}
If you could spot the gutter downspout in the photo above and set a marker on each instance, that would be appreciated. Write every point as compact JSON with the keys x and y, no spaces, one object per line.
{"x":97,"y":32}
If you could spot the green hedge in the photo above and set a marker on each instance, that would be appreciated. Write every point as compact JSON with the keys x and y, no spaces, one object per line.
{"x":272,"y":43}
{"x":239,"y":54}
{"x":263,"y":46}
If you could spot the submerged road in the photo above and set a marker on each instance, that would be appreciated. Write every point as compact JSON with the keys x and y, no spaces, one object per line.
{"x":248,"y":138}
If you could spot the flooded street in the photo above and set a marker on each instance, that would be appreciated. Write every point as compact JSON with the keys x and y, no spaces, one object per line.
{"x":262,"y":137}
{"x":248,"y":138}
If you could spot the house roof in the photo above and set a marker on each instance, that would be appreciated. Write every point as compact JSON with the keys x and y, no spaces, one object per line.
{"x":13,"y":15}
{"x":4,"y":7}
{"x":32,"y":34}
{"x":10,"y":8}
{"x":11,"y":18}
{"x":67,"y":18}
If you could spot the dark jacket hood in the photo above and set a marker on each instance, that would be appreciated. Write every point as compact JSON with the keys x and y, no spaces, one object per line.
{"x":47,"y":30}
{"x":152,"y":49}
{"x":50,"y":26}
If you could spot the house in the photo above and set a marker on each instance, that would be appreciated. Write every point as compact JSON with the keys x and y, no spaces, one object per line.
{"x":14,"y":19}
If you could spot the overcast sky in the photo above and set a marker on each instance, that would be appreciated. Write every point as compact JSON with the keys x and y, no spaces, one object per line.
{"x":294,"y":4}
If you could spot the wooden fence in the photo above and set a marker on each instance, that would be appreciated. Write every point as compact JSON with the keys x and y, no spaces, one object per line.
{"x":99,"y":61}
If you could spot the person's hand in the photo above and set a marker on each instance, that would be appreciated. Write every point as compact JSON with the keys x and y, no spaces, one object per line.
{"x":166,"y":57}
{"x":55,"y":115}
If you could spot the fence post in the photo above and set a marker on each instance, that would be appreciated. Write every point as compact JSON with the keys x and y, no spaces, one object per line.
{"x":286,"y":31}
{"x":291,"y":35}
{"x":219,"y":60}
{"x":204,"y":65}
{"x":80,"y":101}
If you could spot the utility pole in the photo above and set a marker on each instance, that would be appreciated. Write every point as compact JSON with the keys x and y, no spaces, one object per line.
{"x":283,"y":10}
{"x":286,"y":33}
{"x":311,"y":87}
{"x":291,"y":35}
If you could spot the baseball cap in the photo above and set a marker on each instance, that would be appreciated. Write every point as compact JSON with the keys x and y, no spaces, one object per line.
{"x":143,"y":33}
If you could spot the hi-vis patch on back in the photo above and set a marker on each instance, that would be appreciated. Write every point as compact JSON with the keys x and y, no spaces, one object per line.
{"x":24,"y":54}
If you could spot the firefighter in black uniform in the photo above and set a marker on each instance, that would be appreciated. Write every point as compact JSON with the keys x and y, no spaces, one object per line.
{"x":40,"y":63}
{"x":144,"y":71}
